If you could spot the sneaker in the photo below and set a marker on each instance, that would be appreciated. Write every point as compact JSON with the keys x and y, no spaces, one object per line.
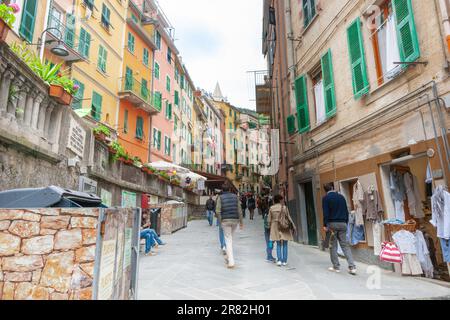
{"x":352,"y":271}
{"x":151,"y":254}
{"x":284,"y":264}
{"x":279,"y":263}
{"x":224,"y":251}
{"x":332,"y":269}
{"x":230,"y":267}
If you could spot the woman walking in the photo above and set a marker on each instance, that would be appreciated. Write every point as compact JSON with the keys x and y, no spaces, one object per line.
{"x":281,"y":229}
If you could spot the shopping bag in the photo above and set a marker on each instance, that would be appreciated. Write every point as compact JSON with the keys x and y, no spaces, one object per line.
{"x":390,"y":253}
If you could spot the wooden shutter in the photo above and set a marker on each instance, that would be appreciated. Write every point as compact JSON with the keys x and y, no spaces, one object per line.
{"x":144,"y":89}
{"x":139,"y":127}
{"x":168,"y":83}
{"x":145,"y":56}
{"x":28,"y":20}
{"x":102,"y":55}
{"x":85,"y":43}
{"x":291,"y":124}
{"x":125,"y":122}
{"x":159,"y":140}
{"x":156,"y":70}
{"x":70,"y":30}
{"x":177,"y":98}
{"x":129,"y":81}
{"x":328,"y":84}
{"x":408,"y":42}
{"x":130,"y":42}
{"x":302,"y":104}
{"x":96,"y":110}
{"x":106,"y":14}
{"x":78,"y":99}
{"x":158,"y":101}
{"x":357,"y":59}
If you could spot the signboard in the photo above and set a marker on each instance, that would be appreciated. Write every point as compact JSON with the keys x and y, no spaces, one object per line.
{"x":129,"y":199}
{"x":154,"y":199}
{"x":77,"y":138}
{"x":105,"y":285}
{"x":201,"y":184}
{"x":120,"y":252}
{"x":169,"y":191}
{"x":106,"y":197}
{"x":127,"y":249}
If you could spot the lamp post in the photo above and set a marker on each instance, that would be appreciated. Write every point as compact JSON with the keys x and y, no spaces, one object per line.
{"x":59,"y":50}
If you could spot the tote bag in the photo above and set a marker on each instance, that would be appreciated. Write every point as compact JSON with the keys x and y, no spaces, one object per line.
{"x":390,"y":253}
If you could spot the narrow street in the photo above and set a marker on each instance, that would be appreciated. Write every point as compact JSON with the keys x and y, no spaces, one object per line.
{"x":191,"y":267}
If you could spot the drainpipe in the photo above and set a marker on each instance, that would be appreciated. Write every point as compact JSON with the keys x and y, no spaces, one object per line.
{"x":445,"y":22}
{"x":290,"y":51}
{"x":47,"y":14}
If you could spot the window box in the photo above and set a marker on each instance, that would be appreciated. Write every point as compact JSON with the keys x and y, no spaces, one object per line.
{"x":60,"y":95}
{"x":4,"y":29}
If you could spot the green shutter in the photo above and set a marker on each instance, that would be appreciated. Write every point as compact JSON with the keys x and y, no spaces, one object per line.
{"x":85,"y":43}
{"x":28,"y":20}
{"x":145,"y":56}
{"x":125,"y":122}
{"x":177,"y":98}
{"x":158,"y":101}
{"x":328,"y":84}
{"x":96,"y":110}
{"x":156,"y":70}
{"x":301,"y":95}
{"x":309,"y":11}
{"x":102,"y":56}
{"x":357,"y":59}
{"x":130,"y":42}
{"x":129,"y":81}
{"x":139,"y":128}
{"x":159,"y":140}
{"x":168,"y":83}
{"x":291,"y":124}
{"x":144,"y":89}
{"x":70,"y":30}
{"x":408,"y":41}
{"x":106,"y":14}
{"x":78,"y":98}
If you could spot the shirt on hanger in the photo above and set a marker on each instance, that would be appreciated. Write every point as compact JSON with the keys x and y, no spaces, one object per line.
{"x":440,"y":203}
{"x":372,"y":205}
{"x":406,"y":242}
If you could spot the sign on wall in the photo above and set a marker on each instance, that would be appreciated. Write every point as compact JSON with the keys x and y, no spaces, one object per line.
{"x":106,"y":197}
{"x":77,"y":138}
{"x":105,"y":285}
{"x":129,"y":199}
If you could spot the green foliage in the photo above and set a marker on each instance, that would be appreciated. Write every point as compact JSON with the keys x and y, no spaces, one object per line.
{"x":7,"y":14}
{"x":102,"y":129}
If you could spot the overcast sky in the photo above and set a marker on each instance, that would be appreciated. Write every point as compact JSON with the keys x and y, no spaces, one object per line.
{"x":219,"y":40}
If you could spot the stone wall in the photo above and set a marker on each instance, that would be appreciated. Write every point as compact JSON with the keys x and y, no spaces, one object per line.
{"x":47,"y":254}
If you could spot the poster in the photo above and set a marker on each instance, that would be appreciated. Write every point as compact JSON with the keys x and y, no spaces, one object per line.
{"x":106,"y":197}
{"x":120,"y":252}
{"x":127,"y":249}
{"x":106,"y":278}
{"x":128,"y":199}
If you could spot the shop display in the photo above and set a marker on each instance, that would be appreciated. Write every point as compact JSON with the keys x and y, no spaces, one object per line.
{"x":407,"y":244}
{"x":390,"y":253}
{"x":440,"y":203}
{"x":423,"y":254}
{"x":372,"y":204}
{"x":397,"y":186}
{"x":358,"y":203}
{"x":355,"y":233}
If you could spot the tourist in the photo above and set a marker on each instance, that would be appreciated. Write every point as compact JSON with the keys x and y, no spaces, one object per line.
{"x":229,"y":214}
{"x":281,"y":229}
{"x":243,"y":204}
{"x":264,"y":208}
{"x":335,"y":220}
{"x":210,"y":209}
{"x":251,"y":205}
{"x":152,"y":239}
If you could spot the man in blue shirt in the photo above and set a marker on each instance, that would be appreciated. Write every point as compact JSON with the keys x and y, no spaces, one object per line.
{"x":335,"y":220}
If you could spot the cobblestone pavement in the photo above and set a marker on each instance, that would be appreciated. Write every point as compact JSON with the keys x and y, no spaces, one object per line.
{"x":192,"y":267}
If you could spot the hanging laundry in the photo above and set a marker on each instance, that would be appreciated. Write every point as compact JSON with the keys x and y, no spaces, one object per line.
{"x":429,"y":178}
{"x":445,"y":246}
{"x":372,"y":205}
{"x":355,"y":233}
{"x":397,"y":186}
{"x":406,"y":242}
{"x":423,"y":254}
{"x":440,"y":204}
{"x":358,"y":199}
{"x":377,"y":229}
{"x":413,"y":195}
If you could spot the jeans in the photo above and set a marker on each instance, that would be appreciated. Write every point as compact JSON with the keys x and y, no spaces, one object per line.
{"x":221,"y":236}
{"x":229,"y":228}
{"x":210,"y":216}
{"x":252,"y":213}
{"x":269,"y":244}
{"x":155,"y":236}
{"x":340,"y":234}
{"x":282,"y":251}
{"x":150,"y":241}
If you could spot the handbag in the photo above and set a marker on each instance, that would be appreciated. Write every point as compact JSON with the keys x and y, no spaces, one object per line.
{"x":284,"y":223}
{"x":390,"y":253}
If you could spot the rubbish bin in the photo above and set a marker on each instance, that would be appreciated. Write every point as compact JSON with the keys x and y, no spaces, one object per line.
{"x":155,"y":219}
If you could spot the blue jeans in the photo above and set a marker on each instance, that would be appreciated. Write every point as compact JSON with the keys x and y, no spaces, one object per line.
{"x":282,"y":251}
{"x":221,"y":236}
{"x":150,"y":241}
{"x":269,"y":244}
{"x":210,"y":216}
{"x":155,"y":236}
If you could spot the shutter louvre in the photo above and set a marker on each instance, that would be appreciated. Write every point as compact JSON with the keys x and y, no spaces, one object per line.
{"x":28,"y":20}
{"x":96,"y":106}
{"x":408,"y":41}
{"x":357,"y":59}
{"x":70,"y":30}
{"x":328,"y":84}
{"x":78,"y":99}
{"x":302,"y":104}
{"x":291,"y":124}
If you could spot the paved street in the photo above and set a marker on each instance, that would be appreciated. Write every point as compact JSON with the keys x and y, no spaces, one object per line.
{"x":191,"y":266}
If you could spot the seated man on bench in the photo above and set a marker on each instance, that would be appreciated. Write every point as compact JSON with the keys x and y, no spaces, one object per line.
{"x":151,"y":237}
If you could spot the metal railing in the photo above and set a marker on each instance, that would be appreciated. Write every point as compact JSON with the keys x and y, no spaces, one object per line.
{"x":67,"y":30}
{"x":132,"y":85}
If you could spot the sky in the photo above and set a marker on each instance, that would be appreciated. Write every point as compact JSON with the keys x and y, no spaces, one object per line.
{"x":219,"y":41}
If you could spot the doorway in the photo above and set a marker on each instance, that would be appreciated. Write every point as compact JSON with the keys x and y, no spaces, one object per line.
{"x":309,"y":218}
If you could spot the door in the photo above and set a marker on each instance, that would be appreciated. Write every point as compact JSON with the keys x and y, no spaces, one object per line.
{"x":310,"y":214}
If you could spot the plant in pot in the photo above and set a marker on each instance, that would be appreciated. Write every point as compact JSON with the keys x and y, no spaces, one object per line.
{"x":63,"y":89}
{"x":137,"y":162}
{"x":163,"y":176}
{"x":7,"y":18}
{"x":101,"y":132}
{"x":114,"y":148}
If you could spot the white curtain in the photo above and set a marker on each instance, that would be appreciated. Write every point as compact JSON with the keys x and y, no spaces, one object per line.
{"x":392,"y":50}
{"x":320,"y":102}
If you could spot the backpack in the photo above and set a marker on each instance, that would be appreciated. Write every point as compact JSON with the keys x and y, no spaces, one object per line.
{"x":284,"y":223}
{"x":251,"y":203}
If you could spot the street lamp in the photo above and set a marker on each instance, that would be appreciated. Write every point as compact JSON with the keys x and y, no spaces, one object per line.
{"x":60,"y":50}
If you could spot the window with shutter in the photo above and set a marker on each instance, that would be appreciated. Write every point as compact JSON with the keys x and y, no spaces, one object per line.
{"x":309,"y":11}
{"x":169,"y":55}
{"x":85,"y":43}
{"x":177,"y":98}
{"x":96,"y":108}
{"x":291,"y":124}
{"x":139,"y":128}
{"x":167,"y":144}
{"x":129,"y":81}
{"x":156,"y":70}
{"x":168,"y":83}
{"x":131,"y":41}
{"x":28,"y":20}
{"x":328,"y":84}
{"x":145,"y":57}
{"x":302,"y":104}
{"x":89,"y":4}
{"x":406,"y":31}
{"x":78,"y":98}
{"x":159,"y":140}
{"x":106,"y":14}
{"x":125,"y":122}
{"x":70,"y":30}
{"x":144,"y":89}
{"x":102,"y":56}
{"x":158,"y":40}
{"x":158,"y":101}
{"x":357,"y":59}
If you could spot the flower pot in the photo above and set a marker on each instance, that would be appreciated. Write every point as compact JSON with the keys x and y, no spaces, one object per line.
{"x":4,"y":29}
{"x":112,"y":151}
{"x":100,"y":136}
{"x":60,"y":95}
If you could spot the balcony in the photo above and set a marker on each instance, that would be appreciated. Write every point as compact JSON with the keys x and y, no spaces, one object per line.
{"x":262,"y":87}
{"x":70,"y":40}
{"x":138,"y":95}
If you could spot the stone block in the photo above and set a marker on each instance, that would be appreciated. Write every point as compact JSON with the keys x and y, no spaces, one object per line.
{"x":18,"y":276}
{"x":40,"y":293}
{"x":92,"y":212}
{"x":7,"y":214}
{"x":1,"y":290}
{"x":22,"y":264}
{"x":88,"y":268}
{"x":58,"y":270}
{"x":86,"y":294}
{"x":8,"y":291}
{"x":49,"y":211}
{"x":24,"y":229}
{"x":4,"y":225}
{"x":38,"y":245}
{"x":23,"y":291}
{"x":83,"y":222}
{"x":55,"y":222}
{"x":46,"y":232}
{"x":89,"y":236}
{"x":59,"y":296}
{"x":30,"y":216}
{"x":9,"y":244}
{"x":68,"y":239}
{"x":36,"y":276}
{"x":80,"y":279}
{"x":85,"y":254}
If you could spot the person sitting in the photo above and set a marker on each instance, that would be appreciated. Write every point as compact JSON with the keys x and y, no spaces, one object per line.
{"x":152,"y":239}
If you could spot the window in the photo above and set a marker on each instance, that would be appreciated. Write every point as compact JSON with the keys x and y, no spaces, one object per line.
{"x":357,"y":59}
{"x":89,"y":4}
{"x":328,"y":84}
{"x":145,"y":57}
{"x":84,"y":43}
{"x":125,"y":122}
{"x":134,"y":18}
{"x":319,"y":98}
{"x":167,"y":144}
{"x":309,"y":11}
{"x":28,"y":20}
{"x":174,"y":153}
{"x":96,"y":107}
{"x":139,"y":128}
{"x":156,"y":70}
{"x":78,"y":98}
{"x":102,"y":55}
{"x":168,"y":83}
{"x":182,"y":82}
{"x":395,"y":39}
{"x":70,"y":30}
{"x":169,"y":55}
{"x":177,"y":75}
{"x":177,"y":99}
{"x":129,"y":81}
{"x":290,"y":126}
{"x":158,"y":100}
{"x":158,"y":40}
{"x":175,"y":124}
{"x":106,"y":15}
{"x":131,"y":41}
{"x":144,"y":89}
{"x":302,"y":104}
{"x":156,"y":139}
{"x":168,"y":110}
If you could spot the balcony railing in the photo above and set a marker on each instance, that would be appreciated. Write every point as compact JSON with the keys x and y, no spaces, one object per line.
{"x":138,"y":94}
{"x":263,"y":89}
{"x":66,"y":30}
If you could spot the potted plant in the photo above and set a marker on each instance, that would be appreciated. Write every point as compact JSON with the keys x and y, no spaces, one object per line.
{"x":163,"y":176}
{"x":101,"y":132}
{"x":115,"y":147}
{"x":137,"y":162}
{"x":7,"y":18}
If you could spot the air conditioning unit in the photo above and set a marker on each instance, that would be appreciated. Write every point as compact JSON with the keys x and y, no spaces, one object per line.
{"x":88,"y":185}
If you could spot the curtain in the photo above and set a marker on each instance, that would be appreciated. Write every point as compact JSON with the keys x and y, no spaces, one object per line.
{"x":320,"y":103}
{"x":392,"y":50}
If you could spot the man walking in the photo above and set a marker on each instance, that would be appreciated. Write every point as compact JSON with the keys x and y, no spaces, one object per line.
{"x":210,"y":209}
{"x":335,"y":219}
{"x":251,"y":205}
{"x":229,"y":214}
